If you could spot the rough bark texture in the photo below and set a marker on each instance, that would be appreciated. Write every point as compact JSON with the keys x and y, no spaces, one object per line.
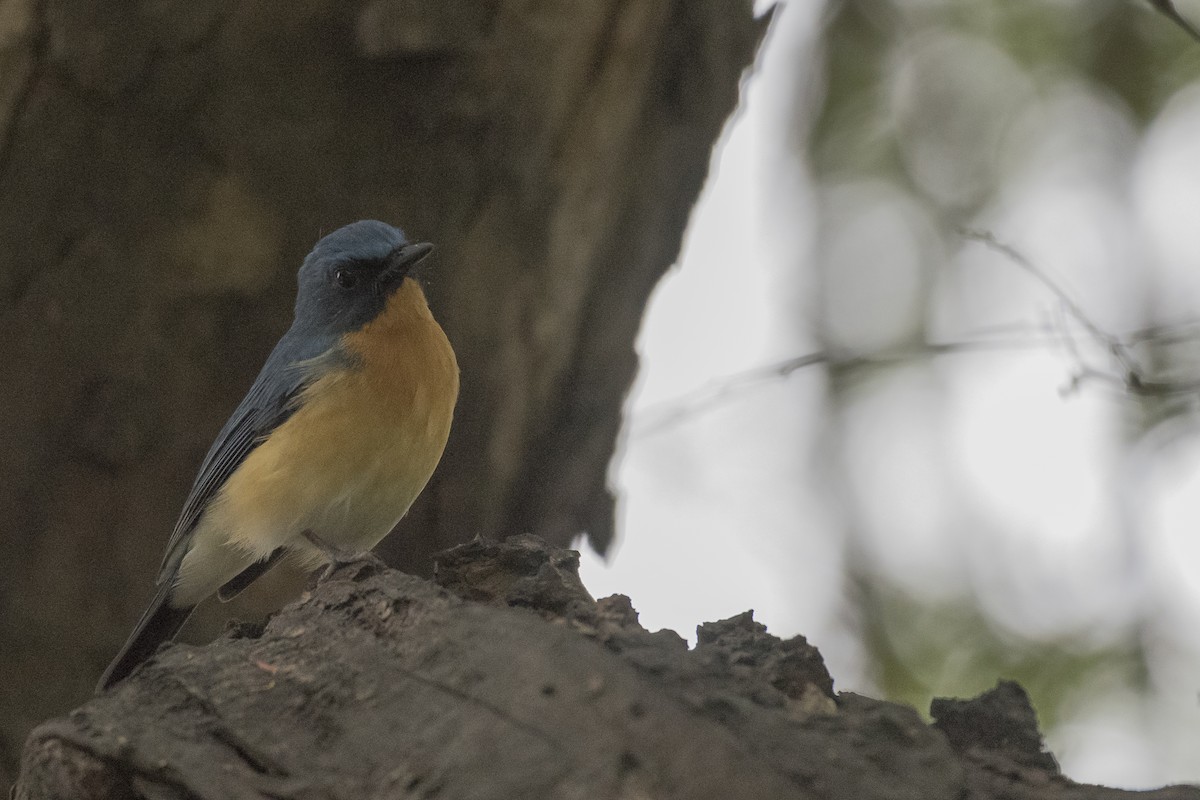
{"x":165,"y":165}
{"x":509,"y":681}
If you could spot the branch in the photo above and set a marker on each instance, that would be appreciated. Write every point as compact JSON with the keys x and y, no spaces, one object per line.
{"x":509,"y":680}
{"x":1116,"y":347}
{"x":1129,"y":376}
{"x":1132,"y":377}
{"x":1168,"y":10}
{"x":666,"y":415}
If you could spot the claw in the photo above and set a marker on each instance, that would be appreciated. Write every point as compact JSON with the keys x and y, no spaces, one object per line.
{"x":339,"y":558}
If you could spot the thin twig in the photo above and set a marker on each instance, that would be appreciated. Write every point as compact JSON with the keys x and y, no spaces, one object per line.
{"x":1172,"y":333}
{"x":668,"y":414}
{"x":1132,"y":378}
{"x":1116,"y":347}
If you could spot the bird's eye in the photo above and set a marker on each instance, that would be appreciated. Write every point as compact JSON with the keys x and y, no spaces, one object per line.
{"x":345,"y":278}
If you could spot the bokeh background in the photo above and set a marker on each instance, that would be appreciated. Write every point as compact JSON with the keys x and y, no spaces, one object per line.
{"x":962,"y":487}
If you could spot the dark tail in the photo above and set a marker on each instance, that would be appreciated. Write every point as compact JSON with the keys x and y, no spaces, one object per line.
{"x":159,"y":624}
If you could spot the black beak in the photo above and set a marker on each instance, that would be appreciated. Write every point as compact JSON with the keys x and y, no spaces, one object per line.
{"x":401,"y":261}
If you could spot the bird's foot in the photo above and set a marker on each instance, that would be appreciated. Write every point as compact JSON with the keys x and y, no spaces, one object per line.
{"x":339,"y":558}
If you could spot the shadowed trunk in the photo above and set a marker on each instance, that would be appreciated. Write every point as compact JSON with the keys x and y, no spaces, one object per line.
{"x":165,"y":166}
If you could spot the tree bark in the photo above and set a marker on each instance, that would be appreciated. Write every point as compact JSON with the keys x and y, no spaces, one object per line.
{"x":507,"y":680}
{"x":165,"y":166}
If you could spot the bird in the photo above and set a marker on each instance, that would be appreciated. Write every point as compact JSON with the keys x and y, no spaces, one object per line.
{"x":337,"y":436}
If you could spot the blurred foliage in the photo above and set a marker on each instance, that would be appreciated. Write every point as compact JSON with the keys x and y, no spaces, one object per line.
{"x":1118,"y":44}
{"x":887,"y":113}
{"x":921,"y":650}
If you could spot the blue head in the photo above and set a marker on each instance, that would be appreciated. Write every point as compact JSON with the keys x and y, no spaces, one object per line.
{"x":347,"y":278}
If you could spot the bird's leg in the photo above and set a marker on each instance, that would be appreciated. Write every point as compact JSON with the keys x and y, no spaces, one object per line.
{"x":338,"y":557}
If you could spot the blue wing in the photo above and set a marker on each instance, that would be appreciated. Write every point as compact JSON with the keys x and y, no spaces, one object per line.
{"x":294,"y":364}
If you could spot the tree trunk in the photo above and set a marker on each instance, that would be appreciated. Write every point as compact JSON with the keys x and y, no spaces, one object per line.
{"x":165,"y":166}
{"x":509,"y":681}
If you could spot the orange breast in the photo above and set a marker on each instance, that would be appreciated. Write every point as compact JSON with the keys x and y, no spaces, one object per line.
{"x":355,"y":455}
